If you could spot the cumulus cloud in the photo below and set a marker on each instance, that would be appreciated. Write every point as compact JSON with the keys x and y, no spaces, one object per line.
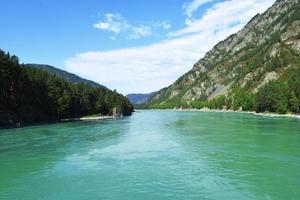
{"x":152,"y":67}
{"x":116,"y":24}
{"x":139,"y":32}
{"x":113,"y":23}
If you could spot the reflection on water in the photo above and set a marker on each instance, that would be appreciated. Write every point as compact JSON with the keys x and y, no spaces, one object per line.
{"x":154,"y":155}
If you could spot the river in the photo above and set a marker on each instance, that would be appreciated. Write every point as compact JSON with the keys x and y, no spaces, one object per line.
{"x":154,"y":155}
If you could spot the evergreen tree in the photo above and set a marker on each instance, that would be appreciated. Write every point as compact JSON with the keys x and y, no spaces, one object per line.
{"x":33,"y":95}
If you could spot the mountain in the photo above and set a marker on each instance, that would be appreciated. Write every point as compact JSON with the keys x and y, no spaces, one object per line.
{"x":255,"y":69}
{"x":32,"y":94}
{"x":64,"y":74}
{"x":140,"y":98}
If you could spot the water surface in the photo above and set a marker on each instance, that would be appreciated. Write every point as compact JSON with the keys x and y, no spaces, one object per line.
{"x":154,"y":155}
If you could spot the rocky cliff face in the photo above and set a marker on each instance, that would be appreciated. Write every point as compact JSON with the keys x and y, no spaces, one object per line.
{"x":267,"y":46}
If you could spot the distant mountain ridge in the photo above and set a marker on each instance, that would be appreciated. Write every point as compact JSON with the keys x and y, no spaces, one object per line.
{"x":73,"y":78}
{"x":140,"y":98}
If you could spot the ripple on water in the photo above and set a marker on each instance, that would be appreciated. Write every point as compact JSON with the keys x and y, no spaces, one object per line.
{"x":154,"y":155}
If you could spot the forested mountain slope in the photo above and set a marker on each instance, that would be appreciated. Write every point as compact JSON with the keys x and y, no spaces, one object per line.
{"x":64,"y":74}
{"x":29,"y":95}
{"x":258,"y":68}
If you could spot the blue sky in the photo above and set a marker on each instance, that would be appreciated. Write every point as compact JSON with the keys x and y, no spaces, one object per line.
{"x":128,"y":45}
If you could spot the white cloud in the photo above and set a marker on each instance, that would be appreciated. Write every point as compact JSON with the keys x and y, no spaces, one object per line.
{"x":164,"y":25}
{"x":225,"y":14}
{"x":139,"y":32}
{"x":113,"y":23}
{"x":149,"y":68}
{"x":191,"y":7}
{"x":116,"y":24}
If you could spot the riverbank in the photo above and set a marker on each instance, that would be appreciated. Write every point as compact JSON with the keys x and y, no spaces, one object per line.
{"x":243,"y":112}
{"x":89,"y":118}
{"x":86,"y":118}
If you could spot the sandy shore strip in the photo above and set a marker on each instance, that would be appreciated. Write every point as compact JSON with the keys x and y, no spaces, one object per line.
{"x":242,"y":112}
{"x":88,"y":118}
{"x":97,"y":118}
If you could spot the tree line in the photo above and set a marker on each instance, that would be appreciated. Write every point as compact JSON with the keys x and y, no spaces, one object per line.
{"x":33,"y":95}
{"x":279,"y":96}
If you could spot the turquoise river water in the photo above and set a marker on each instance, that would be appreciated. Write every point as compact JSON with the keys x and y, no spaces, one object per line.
{"x":154,"y":155}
